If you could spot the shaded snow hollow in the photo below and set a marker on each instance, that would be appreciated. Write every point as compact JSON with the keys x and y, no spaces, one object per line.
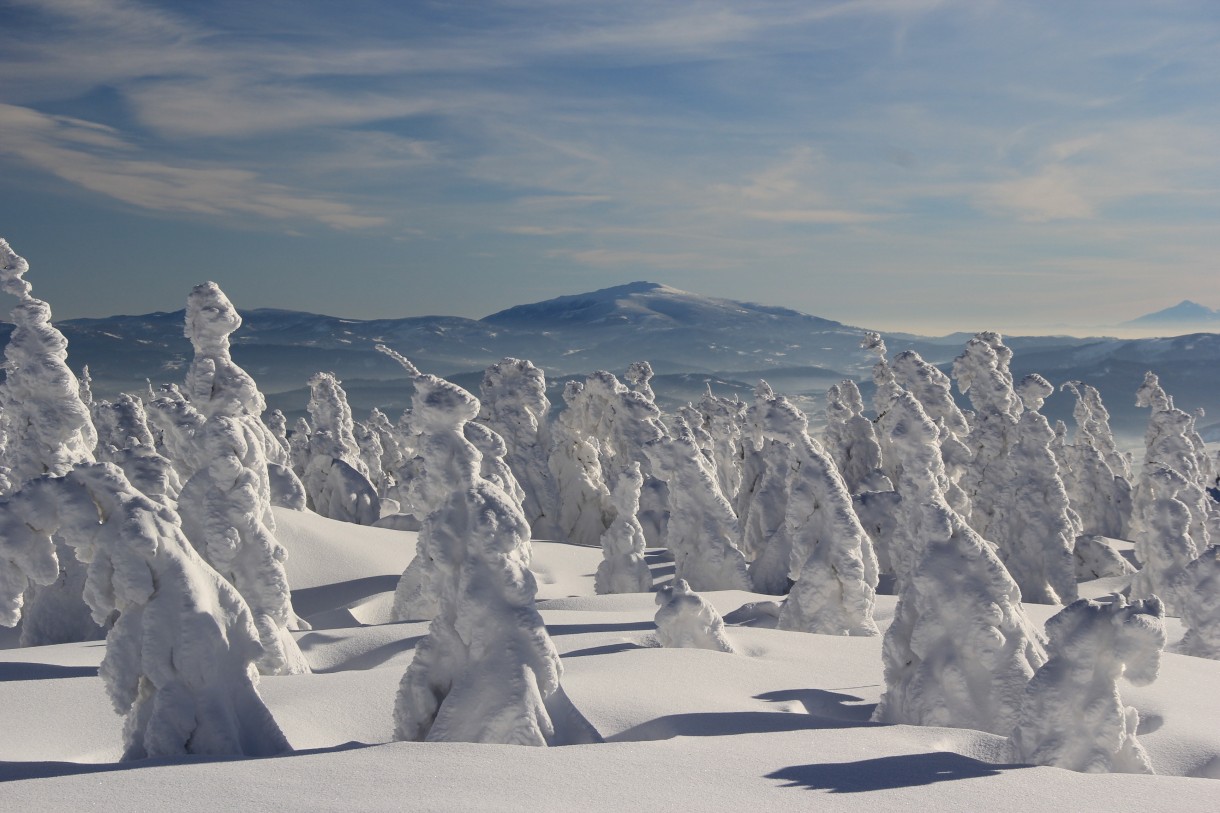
{"x":781,"y":724}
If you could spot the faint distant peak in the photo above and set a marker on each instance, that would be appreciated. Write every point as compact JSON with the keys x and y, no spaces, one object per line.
{"x":1185,"y":311}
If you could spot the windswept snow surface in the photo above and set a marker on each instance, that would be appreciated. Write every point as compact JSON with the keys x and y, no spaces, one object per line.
{"x":782,"y":724}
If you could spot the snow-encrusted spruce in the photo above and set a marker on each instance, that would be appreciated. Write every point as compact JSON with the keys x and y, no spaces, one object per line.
{"x":850,"y":439}
{"x":723,"y":418}
{"x":1172,"y":442}
{"x":1164,"y":545}
{"x":1095,"y":474}
{"x":960,"y":650}
{"x":761,"y":502}
{"x":179,"y":656}
{"x":831,"y":562}
{"x":125,"y":439}
{"x":226,"y":504}
{"x":1198,"y":595}
{"x":623,"y":569}
{"x":487,"y":665}
{"x":369,"y":442}
{"x":702,"y":528}
{"x":176,"y":423}
{"x":638,"y":376}
{"x":298,"y":446}
{"x":493,"y":467}
{"x":1017,"y":498}
{"x":1072,"y":716}
{"x":584,"y":511}
{"x":336,"y":478}
{"x":47,"y":430}
{"x":887,"y":388}
{"x":395,"y":451}
{"x":515,"y":406}
{"x":687,"y":620}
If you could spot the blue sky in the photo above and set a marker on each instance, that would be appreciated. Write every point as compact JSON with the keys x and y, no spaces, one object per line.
{"x":889,"y":163}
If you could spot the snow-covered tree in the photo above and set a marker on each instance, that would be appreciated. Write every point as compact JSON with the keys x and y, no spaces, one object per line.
{"x":1017,"y":498}
{"x":298,"y":446}
{"x":1197,"y":591}
{"x":638,"y":376}
{"x":492,"y":466}
{"x":1164,"y":545}
{"x":831,"y":560}
{"x":850,"y":439}
{"x":125,"y":439}
{"x":336,"y":478}
{"x":1072,"y":716}
{"x":960,"y":649}
{"x":687,"y":620}
{"x":369,"y":442}
{"x":702,"y":528}
{"x":623,"y":569}
{"x":585,"y":511}
{"x":723,"y":419}
{"x":226,"y":504}
{"x":487,"y":665}
{"x":179,"y":656}
{"x":46,"y":429}
{"x":515,"y":406}
{"x":1095,"y":474}
{"x":176,"y":423}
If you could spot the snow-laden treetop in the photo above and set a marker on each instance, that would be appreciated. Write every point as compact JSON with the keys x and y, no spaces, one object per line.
{"x":214,"y":383}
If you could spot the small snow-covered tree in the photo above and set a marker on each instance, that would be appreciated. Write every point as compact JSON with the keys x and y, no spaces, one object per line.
{"x":179,"y":656}
{"x":1072,"y":716}
{"x":336,"y":478}
{"x":125,"y":439}
{"x":584,"y":499}
{"x":226,"y":504}
{"x":687,"y":620}
{"x":487,"y":665}
{"x":46,"y":429}
{"x":493,"y":467}
{"x":176,"y":423}
{"x":623,"y":569}
{"x":850,"y":439}
{"x":515,"y":405}
{"x":638,"y":376}
{"x":1017,"y":497}
{"x":723,"y":418}
{"x":1197,"y":591}
{"x":1095,"y":474}
{"x":702,"y":528}
{"x":960,"y":649}
{"x":1164,"y":545}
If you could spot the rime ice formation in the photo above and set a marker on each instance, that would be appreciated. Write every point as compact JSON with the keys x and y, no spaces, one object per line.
{"x":46,"y":429}
{"x":1017,"y":497}
{"x":723,"y":419}
{"x":371,"y":453}
{"x":686,"y":620}
{"x":487,"y":665}
{"x":850,"y":439}
{"x":584,"y":499}
{"x":1095,"y":474}
{"x":702,"y":528}
{"x":492,"y":466}
{"x":1072,"y":716}
{"x":176,"y":423}
{"x":298,"y":446}
{"x":887,"y":389}
{"x":1095,"y":559}
{"x":1164,"y":545}
{"x":226,"y":504}
{"x":764,"y":536}
{"x":124,"y":438}
{"x":336,"y":478}
{"x":638,"y":376}
{"x":960,"y":649}
{"x":831,"y":559}
{"x":1198,"y":595}
{"x":179,"y":655}
{"x":1172,"y":442}
{"x":515,"y":406}
{"x":623,"y":569}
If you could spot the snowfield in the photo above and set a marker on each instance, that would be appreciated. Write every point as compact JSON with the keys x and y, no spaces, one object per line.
{"x":781,"y":724}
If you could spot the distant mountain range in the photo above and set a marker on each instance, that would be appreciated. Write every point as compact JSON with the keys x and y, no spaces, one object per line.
{"x":1184,"y":313}
{"x":689,"y":339}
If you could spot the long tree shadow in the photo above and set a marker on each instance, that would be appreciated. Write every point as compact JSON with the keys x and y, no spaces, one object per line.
{"x":887,"y":773}
{"x":574,"y":629}
{"x":313,"y":600}
{"x":728,"y":723}
{"x":366,"y":660}
{"x":15,"y":771}
{"x":607,"y":649}
{"x":821,"y":703}
{"x":20,"y":670}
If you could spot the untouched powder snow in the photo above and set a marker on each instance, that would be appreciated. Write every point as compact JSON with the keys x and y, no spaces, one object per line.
{"x":780,"y":725}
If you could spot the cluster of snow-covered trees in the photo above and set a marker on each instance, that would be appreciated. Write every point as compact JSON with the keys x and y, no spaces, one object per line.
{"x":966,"y":513}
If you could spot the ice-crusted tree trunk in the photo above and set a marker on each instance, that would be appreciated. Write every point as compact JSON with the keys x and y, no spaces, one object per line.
{"x":584,"y":511}
{"x":336,"y":478}
{"x":702,"y":528}
{"x":1096,"y":475}
{"x":487,"y":665}
{"x":179,"y":656}
{"x":1072,"y":716}
{"x":960,"y":650}
{"x":47,"y":430}
{"x":831,"y":560}
{"x":686,"y":619}
{"x":515,"y":405}
{"x":623,"y":569}
{"x":1017,"y":497}
{"x":226,"y":504}
{"x":851,"y":440}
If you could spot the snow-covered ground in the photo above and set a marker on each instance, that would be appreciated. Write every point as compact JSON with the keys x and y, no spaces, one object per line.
{"x":783,"y":723}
